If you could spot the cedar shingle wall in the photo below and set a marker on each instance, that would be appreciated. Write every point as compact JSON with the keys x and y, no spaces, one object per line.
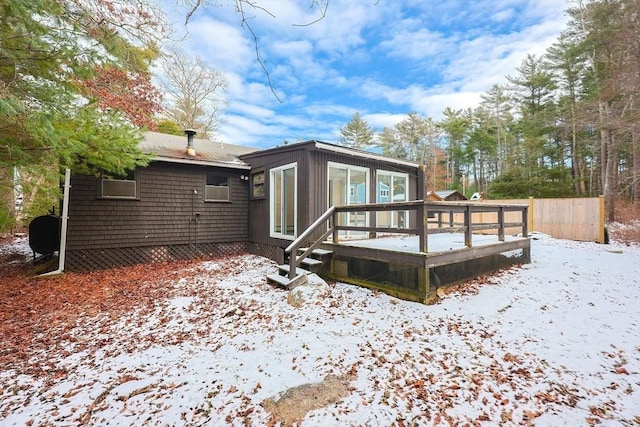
{"x":163,"y":215}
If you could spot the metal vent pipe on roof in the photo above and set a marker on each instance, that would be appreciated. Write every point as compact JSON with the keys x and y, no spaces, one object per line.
{"x":190,"y":148}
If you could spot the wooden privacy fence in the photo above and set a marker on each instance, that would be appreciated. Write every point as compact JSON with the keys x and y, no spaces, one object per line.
{"x":580,"y":219}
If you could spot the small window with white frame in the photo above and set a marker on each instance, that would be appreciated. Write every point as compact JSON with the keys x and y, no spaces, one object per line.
{"x":217,"y":188}
{"x":124,"y":187}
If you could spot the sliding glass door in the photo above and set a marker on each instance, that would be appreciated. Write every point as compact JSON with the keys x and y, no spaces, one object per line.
{"x":392,"y":187}
{"x":349,"y":185}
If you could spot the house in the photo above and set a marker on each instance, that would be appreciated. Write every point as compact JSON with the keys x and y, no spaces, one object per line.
{"x":192,"y":199}
{"x":292,"y":185}
{"x":199,"y":198}
{"x":445,"y":195}
{"x":204,"y":198}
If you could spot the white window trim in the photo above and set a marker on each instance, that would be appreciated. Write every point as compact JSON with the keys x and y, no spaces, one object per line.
{"x":367,"y":171}
{"x":392,"y":175}
{"x":272,"y":232}
{"x":391,"y":195}
{"x":367,"y":194}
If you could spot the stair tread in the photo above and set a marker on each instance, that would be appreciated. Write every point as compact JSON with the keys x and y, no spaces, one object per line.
{"x":317,"y":251}
{"x":285,"y":268}
{"x":278,"y":279}
{"x":285,"y":282}
{"x":311,"y":261}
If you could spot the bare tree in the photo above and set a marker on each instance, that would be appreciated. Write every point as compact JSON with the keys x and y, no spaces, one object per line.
{"x":194,"y":92}
{"x":243,"y":7}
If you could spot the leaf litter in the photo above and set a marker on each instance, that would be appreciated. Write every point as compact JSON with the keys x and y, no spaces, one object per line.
{"x":555,"y":342}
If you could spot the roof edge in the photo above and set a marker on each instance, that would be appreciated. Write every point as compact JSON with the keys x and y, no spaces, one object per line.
{"x":228,"y":165}
{"x":364,"y":154}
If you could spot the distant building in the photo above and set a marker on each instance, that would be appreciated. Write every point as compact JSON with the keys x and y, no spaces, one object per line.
{"x":445,"y":195}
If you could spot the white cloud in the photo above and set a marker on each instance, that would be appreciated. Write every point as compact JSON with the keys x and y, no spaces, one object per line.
{"x":415,"y":45}
{"x":243,"y":130}
{"x":223,"y":45}
{"x":382,"y":59}
{"x":290,"y":48}
{"x":379,"y":120}
{"x":321,"y":109}
{"x":503,"y":15}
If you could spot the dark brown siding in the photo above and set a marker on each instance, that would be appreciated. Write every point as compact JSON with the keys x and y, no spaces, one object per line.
{"x":319,"y":179}
{"x":259,"y":209}
{"x":163,"y":215}
{"x":312,"y":187}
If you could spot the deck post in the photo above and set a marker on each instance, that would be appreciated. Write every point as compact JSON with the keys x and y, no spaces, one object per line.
{"x":428,"y":292}
{"x":529,"y":219}
{"x":501,"y":223}
{"x":467,"y":223}
{"x":601,"y":223}
{"x":423,"y":226}
{"x":525,"y":221}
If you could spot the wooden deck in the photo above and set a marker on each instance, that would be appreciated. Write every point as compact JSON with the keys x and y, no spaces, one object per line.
{"x":413,"y":261}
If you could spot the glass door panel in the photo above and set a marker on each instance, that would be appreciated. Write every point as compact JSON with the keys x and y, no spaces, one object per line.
{"x":392,"y":187}
{"x":283,"y":202}
{"x":349,"y":185}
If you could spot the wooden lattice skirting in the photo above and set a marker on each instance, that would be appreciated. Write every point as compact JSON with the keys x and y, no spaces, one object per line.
{"x":274,"y":253}
{"x":99,"y":259}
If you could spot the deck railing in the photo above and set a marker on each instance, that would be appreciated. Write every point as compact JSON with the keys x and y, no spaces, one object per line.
{"x":416,"y":217}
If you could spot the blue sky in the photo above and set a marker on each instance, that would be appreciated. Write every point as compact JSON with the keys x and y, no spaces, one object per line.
{"x":382,"y":59}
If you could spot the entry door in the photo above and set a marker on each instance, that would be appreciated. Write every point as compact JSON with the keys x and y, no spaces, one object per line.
{"x":349,"y":185}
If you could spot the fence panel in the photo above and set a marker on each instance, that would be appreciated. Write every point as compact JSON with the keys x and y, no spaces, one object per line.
{"x":580,"y":219}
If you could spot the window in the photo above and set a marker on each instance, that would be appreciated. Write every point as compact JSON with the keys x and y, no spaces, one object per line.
{"x":217,"y":188}
{"x":392,"y":187}
{"x":283,"y":201}
{"x":125,"y":187}
{"x":348,"y":185}
{"x":257,"y":185}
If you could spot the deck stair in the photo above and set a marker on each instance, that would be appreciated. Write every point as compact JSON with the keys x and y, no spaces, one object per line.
{"x":306,"y":260}
{"x":313,"y":263}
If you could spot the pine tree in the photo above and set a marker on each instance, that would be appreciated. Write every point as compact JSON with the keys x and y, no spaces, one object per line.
{"x":74,"y":87}
{"x":67,"y":72}
{"x":356,"y":134}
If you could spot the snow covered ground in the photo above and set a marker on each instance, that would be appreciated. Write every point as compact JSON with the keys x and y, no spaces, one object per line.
{"x":553,"y":343}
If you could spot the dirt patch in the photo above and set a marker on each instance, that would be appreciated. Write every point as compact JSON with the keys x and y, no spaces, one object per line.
{"x":626,"y":229}
{"x":296,"y":402}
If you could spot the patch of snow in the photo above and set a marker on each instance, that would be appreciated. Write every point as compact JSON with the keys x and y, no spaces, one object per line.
{"x":19,"y":245}
{"x":556,"y":342}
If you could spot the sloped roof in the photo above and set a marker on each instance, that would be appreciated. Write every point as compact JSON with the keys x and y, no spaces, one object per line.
{"x":327,"y":146}
{"x":172,"y":148}
{"x":443,"y":194}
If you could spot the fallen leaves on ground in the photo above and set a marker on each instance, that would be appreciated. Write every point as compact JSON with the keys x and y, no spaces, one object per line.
{"x":209,"y":342}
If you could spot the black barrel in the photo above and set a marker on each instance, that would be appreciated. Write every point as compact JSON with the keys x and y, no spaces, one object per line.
{"x":44,"y":234}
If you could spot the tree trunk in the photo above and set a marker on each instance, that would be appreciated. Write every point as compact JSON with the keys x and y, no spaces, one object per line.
{"x":609,"y":159}
{"x":635,"y":184}
{"x":577,"y":162}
